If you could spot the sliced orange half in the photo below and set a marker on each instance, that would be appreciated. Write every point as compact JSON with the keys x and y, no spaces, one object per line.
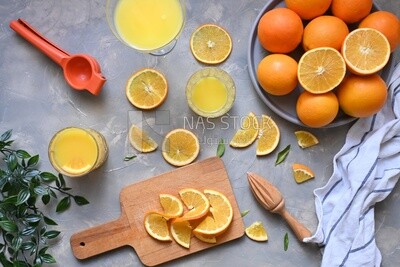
{"x":306,"y":139}
{"x":140,"y":140}
{"x":247,"y":133}
{"x":180,"y":147}
{"x":321,"y":69}
{"x":156,"y":226}
{"x":210,"y":44}
{"x":302,"y":173}
{"x":196,"y":202}
{"x":146,"y":89}
{"x":257,"y":232}
{"x":268,"y":136}
{"x":366,"y":51}
{"x":222,"y":215}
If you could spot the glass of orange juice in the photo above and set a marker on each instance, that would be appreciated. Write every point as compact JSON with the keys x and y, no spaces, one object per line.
{"x":76,"y":151}
{"x":149,"y":26}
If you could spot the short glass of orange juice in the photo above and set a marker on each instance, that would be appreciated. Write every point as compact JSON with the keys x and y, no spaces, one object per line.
{"x":75,"y":151}
{"x":149,"y":26}
{"x":210,"y":92}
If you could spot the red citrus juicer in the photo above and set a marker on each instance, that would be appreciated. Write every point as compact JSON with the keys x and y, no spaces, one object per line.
{"x":81,"y":71}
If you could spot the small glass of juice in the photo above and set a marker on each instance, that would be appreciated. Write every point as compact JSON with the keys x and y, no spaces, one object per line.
{"x":149,"y":26}
{"x":210,"y":92}
{"x":75,"y":152}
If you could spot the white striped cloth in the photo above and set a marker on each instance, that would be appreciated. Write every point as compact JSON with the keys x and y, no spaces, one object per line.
{"x":366,"y":170}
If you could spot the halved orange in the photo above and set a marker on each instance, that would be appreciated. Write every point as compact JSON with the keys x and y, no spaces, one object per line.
{"x":210,"y":44}
{"x":180,"y":147}
{"x":197,"y":203}
{"x":146,"y":89}
{"x":222,"y":215}
{"x":268,"y":136}
{"x":321,"y":69}
{"x":366,"y":51}
{"x":247,"y":133}
{"x":140,"y":140}
{"x":302,"y":173}
{"x":156,"y":226}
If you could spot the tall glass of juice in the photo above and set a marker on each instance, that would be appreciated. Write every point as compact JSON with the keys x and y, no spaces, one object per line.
{"x":150,"y":26}
{"x":75,"y":151}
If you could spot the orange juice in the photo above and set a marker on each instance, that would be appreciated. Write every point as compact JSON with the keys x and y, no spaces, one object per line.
{"x":209,"y":94}
{"x":76,"y":152}
{"x":148,"y":24}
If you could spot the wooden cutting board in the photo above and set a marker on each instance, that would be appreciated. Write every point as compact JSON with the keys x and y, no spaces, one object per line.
{"x":138,"y":198}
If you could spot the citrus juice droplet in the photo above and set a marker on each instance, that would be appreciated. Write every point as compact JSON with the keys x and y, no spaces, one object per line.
{"x":209,"y":94}
{"x":148,"y":24}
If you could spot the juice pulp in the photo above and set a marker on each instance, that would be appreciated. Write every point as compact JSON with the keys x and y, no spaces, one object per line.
{"x":76,"y":151}
{"x":148,"y":24}
{"x":209,"y":94}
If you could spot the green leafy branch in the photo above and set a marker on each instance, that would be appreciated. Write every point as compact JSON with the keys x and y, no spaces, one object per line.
{"x":24,"y":228}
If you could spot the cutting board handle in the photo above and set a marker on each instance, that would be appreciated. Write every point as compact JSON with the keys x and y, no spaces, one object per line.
{"x":101,"y":238}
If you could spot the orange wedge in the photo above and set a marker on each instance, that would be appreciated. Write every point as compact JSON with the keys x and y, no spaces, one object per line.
{"x":302,"y":173}
{"x":256,"y":231}
{"x":180,"y":147}
{"x":268,"y":136}
{"x":196,"y":202}
{"x":205,"y":238}
{"x":222,"y":215}
{"x":306,"y":139}
{"x":181,"y":231}
{"x":321,"y":69}
{"x":247,"y":133}
{"x":171,"y":205}
{"x":210,"y":44}
{"x":156,"y":226}
{"x":146,"y":89}
{"x":140,"y":140}
{"x":366,"y":51}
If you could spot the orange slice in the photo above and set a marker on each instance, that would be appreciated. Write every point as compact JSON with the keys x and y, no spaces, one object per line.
{"x":171,"y":205}
{"x":222,"y":215}
{"x":321,"y":69}
{"x":146,"y":89}
{"x":210,"y":44}
{"x":196,"y":202}
{"x":268,"y":136}
{"x":140,"y":140}
{"x":180,"y":147}
{"x":302,"y":173}
{"x":181,"y":231}
{"x":256,"y":231}
{"x":156,"y":226}
{"x":366,"y":51}
{"x":205,"y":238}
{"x":247,"y":133}
{"x":306,"y":139}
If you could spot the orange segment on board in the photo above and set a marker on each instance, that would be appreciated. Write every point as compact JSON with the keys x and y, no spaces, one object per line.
{"x":181,"y":231}
{"x":171,"y":205}
{"x":156,"y":226}
{"x":197,"y":203}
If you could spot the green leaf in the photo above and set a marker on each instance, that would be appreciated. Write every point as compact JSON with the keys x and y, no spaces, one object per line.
{"x":49,"y":221}
{"x":221,"y":148}
{"x":47,"y":258}
{"x":282,"y":155}
{"x":32,"y":173}
{"x":23,"y":196}
{"x":244,"y":213}
{"x":12,"y":162}
{"x":80,"y":201}
{"x":63,"y":204}
{"x":46,"y":199}
{"x":23,"y":154}
{"x":33,"y":218}
{"x":128,"y":158}
{"x":33,"y":160}
{"x":27,"y":245}
{"x":6,"y":136}
{"x":28,"y":230}
{"x":9,"y":226}
{"x":40,"y":190}
{"x":48,"y":177}
{"x":61,"y":179}
{"x":16,"y":243}
{"x":286,"y":242}
{"x":51,"y":234}
{"x":4,"y":261}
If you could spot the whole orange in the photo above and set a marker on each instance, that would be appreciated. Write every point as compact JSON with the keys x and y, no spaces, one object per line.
{"x":277,"y":74}
{"x":317,"y":110}
{"x":385,"y":22}
{"x":308,"y":9}
{"x":280,"y":30}
{"x":351,"y":11}
{"x":325,"y":31}
{"x":362,"y":96}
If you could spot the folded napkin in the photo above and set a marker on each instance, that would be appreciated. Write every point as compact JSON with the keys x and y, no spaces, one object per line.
{"x":366,"y":170}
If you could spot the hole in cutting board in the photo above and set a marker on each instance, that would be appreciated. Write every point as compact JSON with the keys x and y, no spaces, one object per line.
{"x":82,"y":244}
